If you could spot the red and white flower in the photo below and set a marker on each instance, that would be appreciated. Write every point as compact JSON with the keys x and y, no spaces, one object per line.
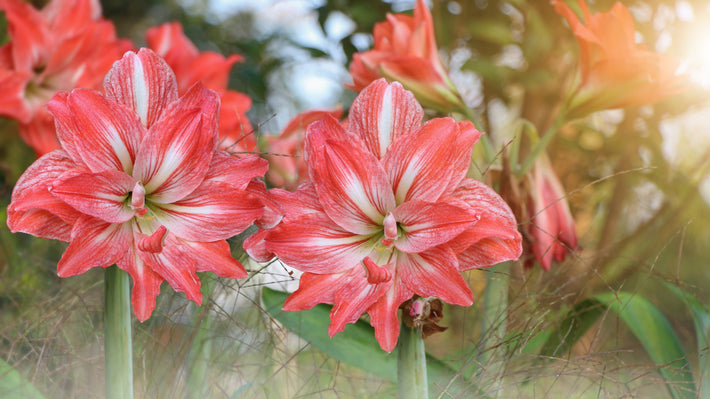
{"x":65,"y":45}
{"x":388,"y":214}
{"x":139,"y":182}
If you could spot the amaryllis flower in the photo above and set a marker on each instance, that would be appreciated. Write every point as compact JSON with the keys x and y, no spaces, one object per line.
{"x":212,"y":70}
{"x":551,"y":229}
{"x":615,"y":71}
{"x":388,"y":214}
{"x":139,"y":182}
{"x":287,"y":168}
{"x":65,"y":45}
{"x":405,"y":51}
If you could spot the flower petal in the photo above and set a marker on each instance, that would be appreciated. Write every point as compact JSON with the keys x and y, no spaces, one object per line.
{"x":144,"y":83}
{"x":107,"y":198}
{"x":177,"y":152}
{"x":435,"y":273}
{"x":314,"y":289}
{"x":33,"y":209}
{"x":353,"y":299}
{"x":215,"y":257}
{"x":351,"y":184}
{"x":495,"y":238}
{"x":313,"y":243}
{"x":146,"y":283}
{"x":94,"y":243}
{"x":382,"y":113}
{"x":237,"y":171}
{"x":104,"y":135}
{"x":383,"y":314}
{"x":214,"y":211}
{"x":30,"y":34}
{"x":176,"y":266}
{"x":428,"y":224}
{"x":421,"y":165}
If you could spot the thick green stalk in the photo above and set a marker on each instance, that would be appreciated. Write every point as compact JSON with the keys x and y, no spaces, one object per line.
{"x":117,"y":335}
{"x":411,"y":364}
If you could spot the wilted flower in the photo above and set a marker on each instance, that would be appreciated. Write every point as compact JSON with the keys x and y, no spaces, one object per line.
{"x":388,"y":214}
{"x":139,"y":182}
{"x":615,"y":71}
{"x":405,"y":51}
{"x":65,"y":45}
{"x":287,"y":168}
{"x":212,"y":70}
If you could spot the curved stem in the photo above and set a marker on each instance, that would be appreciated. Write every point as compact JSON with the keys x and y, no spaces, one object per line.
{"x":540,"y":146}
{"x":117,"y":335}
{"x":411,"y":364}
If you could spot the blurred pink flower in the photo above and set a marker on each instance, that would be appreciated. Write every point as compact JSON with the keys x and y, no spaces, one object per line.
{"x":405,"y":51}
{"x":552,"y":229}
{"x":65,"y":45}
{"x":388,"y":214}
{"x":212,"y":70}
{"x":162,"y":197}
{"x":287,"y":168}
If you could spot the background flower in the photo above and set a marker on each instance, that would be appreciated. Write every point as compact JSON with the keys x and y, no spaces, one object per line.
{"x":65,"y":45}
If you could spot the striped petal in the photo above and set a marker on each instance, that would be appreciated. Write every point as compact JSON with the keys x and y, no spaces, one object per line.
{"x":383,"y":314}
{"x":107,"y":199}
{"x":435,"y":273}
{"x":215,"y":257}
{"x":421,"y":165}
{"x":94,"y":243}
{"x":144,"y":83}
{"x":177,"y":151}
{"x":104,"y":135}
{"x":237,"y":171}
{"x":314,"y":289}
{"x":495,"y":238}
{"x":33,"y":209}
{"x":351,"y":184}
{"x":383,"y":112}
{"x":427,"y":224}
{"x":146,"y":283}
{"x":176,"y":266}
{"x":215,"y":211}
{"x":353,"y":299}
{"x":313,"y":243}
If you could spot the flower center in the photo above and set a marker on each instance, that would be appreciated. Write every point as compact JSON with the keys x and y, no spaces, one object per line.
{"x":391,"y":234}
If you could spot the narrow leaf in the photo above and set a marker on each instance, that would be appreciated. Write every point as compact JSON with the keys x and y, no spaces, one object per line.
{"x":13,"y":385}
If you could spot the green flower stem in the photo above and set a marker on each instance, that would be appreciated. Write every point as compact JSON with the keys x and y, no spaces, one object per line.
{"x":540,"y":146}
{"x":201,"y":347}
{"x":117,"y":335}
{"x":493,"y":324}
{"x":411,"y":364}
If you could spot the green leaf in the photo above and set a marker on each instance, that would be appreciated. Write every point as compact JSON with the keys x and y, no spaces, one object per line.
{"x":13,"y":385}
{"x":356,"y":345}
{"x":646,"y":322}
{"x":701,"y":319}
